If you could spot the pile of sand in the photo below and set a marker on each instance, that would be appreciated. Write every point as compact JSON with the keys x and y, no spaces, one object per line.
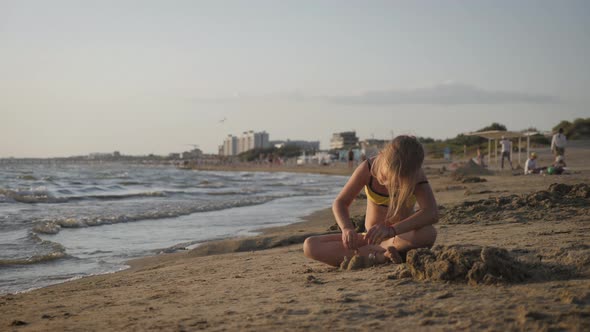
{"x":476,"y":265}
{"x":558,"y":202}
{"x":468,"y":169}
{"x":462,"y":263}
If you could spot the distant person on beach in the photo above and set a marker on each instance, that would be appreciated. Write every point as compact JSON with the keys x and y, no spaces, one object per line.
{"x":558,"y":166}
{"x":530,"y":166}
{"x":558,"y":143}
{"x":394,"y":182}
{"x":479,"y":159}
{"x":506,"y":149}
{"x":350,"y":158}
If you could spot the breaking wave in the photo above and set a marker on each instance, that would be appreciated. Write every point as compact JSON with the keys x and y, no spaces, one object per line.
{"x":53,"y":250}
{"x":41,"y":195}
{"x":36,"y":195}
{"x":53,"y":226}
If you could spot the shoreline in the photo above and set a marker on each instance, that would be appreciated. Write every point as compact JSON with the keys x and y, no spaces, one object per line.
{"x":267,"y":238}
{"x":334,"y":169}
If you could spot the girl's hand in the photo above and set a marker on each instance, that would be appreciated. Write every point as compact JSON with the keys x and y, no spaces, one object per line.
{"x":350,"y":239}
{"x":379,"y":233}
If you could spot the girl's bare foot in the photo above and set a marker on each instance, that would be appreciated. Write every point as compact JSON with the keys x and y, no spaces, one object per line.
{"x":393,"y":255}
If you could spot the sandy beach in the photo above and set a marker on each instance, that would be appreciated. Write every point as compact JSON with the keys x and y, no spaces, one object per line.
{"x":513,"y":253}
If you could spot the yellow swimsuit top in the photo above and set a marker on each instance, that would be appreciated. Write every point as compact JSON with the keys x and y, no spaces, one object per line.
{"x":383,"y":199}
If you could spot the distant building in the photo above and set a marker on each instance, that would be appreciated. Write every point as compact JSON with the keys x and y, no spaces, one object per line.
{"x":230,"y":146}
{"x":343,"y":140}
{"x":261,"y":140}
{"x":253,"y":140}
{"x":249,"y":140}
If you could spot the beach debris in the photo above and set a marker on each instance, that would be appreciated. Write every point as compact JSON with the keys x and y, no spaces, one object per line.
{"x":348,"y":298}
{"x":464,"y":263}
{"x":18,"y":322}
{"x":313,"y":280}
{"x":442,"y":295}
{"x":450,"y":188}
{"x":308,"y":270}
{"x":473,"y":179}
{"x":426,"y":322}
{"x":559,"y":201}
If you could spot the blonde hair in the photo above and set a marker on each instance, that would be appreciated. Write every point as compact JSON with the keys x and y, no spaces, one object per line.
{"x":397,"y":167}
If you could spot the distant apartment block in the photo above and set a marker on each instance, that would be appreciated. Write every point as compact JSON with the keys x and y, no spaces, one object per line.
{"x":233,"y":145}
{"x":344,"y":140}
{"x":230,"y":146}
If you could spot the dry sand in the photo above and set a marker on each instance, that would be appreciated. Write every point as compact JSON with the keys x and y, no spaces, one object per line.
{"x":501,"y":263}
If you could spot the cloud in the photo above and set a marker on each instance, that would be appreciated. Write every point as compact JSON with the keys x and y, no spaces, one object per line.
{"x":294,"y":96}
{"x":448,"y":93}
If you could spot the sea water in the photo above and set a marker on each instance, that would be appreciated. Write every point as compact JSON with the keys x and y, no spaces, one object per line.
{"x":59,"y":222}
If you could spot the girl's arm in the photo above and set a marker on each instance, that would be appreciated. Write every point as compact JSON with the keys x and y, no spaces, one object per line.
{"x":351,"y":189}
{"x":428,"y":213}
{"x":341,"y":204}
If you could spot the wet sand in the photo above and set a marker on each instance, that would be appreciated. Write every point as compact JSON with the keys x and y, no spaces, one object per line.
{"x":516,"y":256}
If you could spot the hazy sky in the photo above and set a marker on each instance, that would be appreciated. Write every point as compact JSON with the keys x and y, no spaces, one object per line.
{"x":154,"y":76}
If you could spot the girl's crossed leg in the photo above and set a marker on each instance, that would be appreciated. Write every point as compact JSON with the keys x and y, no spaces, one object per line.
{"x":330,"y":250}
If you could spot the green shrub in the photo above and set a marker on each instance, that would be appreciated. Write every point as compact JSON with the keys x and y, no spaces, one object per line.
{"x":579,"y":129}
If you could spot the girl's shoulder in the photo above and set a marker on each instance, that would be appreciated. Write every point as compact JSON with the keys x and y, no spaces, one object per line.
{"x":422,"y":175}
{"x":371,"y":161}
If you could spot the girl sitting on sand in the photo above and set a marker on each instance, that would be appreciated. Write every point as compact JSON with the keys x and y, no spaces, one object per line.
{"x":394,"y":182}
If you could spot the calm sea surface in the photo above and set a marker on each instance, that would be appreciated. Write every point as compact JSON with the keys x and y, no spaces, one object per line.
{"x":67,"y":221}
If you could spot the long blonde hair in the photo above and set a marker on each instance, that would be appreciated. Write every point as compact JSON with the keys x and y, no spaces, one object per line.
{"x":397,"y":167}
